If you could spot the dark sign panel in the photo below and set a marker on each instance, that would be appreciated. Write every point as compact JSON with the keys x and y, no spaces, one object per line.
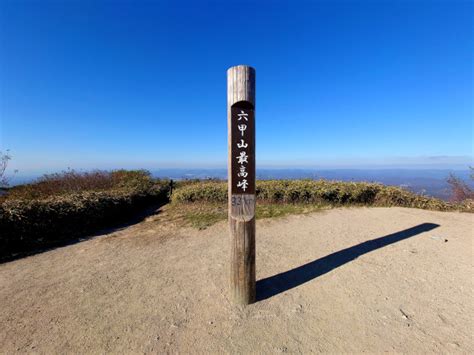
{"x":243,"y":148}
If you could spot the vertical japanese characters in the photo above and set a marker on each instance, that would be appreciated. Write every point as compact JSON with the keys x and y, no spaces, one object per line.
{"x":242,"y":158}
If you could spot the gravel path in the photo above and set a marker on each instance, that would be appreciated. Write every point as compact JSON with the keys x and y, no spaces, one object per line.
{"x":342,"y":280}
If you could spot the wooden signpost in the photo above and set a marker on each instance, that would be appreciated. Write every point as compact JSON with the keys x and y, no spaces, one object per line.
{"x":241,"y":180}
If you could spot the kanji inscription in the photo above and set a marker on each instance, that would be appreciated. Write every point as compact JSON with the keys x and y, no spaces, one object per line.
{"x":243,"y":148}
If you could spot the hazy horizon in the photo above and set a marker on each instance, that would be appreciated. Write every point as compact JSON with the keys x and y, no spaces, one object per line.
{"x":427,"y":181}
{"x":414,"y":163}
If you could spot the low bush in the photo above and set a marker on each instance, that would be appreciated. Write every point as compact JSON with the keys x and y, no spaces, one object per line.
{"x":54,"y":210}
{"x":71,"y":181}
{"x":201,"y":191}
{"x":321,"y":192}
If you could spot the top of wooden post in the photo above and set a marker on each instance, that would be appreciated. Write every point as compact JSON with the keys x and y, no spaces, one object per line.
{"x":240,"y":84}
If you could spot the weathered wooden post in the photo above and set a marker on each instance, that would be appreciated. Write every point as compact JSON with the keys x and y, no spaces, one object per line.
{"x":241,"y":180}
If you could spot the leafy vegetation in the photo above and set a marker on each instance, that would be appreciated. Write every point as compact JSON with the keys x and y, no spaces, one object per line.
{"x":319,"y":192}
{"x":72,"y":182}
{"x":61,"y":207}
{"x":202,"y":203}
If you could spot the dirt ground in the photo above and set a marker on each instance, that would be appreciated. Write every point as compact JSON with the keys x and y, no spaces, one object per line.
{"x":342,"y":280}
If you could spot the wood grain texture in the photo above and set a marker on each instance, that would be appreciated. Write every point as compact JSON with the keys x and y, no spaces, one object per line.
{"x":242,"y":207}
{"x":241,"y":87}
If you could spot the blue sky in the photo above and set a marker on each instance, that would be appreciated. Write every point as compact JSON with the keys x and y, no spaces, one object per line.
{"x":142,"y":84}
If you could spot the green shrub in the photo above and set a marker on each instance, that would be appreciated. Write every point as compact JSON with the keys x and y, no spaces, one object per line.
{"x":316,"y":192}
{"x":59,"y":211}
{"x":204,"y":191}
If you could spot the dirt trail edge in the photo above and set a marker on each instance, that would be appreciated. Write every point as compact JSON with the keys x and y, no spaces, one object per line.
{"x":342,"y":280}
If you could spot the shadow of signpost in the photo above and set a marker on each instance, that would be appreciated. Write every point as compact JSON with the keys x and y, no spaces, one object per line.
{"x":287,"y":280}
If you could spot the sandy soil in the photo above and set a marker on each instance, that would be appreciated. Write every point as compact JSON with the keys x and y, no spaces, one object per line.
{"x":344,"y":280}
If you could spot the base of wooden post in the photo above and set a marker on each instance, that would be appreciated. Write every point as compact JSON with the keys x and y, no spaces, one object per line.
{"x":243,"y":261}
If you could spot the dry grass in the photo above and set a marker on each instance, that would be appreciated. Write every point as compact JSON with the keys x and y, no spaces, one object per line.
{"x":205,"y":214}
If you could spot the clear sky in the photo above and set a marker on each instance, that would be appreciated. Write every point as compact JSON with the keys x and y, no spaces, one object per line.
{"x":89,"y":84}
